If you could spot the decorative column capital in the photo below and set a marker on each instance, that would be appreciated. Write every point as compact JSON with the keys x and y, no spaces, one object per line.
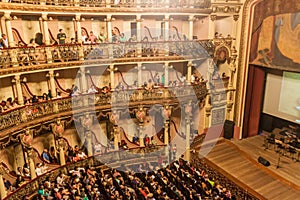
{"x":191,"y":18}
{"x":7,"y":16}
{"x":213,"y":17}
{"x":45,"y":16}
{"x":235,"y":17}
{"x":77,"y":17}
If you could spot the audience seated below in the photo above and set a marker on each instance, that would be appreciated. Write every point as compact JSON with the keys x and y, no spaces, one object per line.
{"x":180,"y":180}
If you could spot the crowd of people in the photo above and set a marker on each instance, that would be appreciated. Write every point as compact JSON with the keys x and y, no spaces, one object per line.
{"x":150,"y":181}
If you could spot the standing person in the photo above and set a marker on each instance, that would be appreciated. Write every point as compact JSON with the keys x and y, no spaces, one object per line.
{"x":61,"y":36}
{"x":92,"y":38}
{"x":174,"y":151}
{"x":4,"y":41}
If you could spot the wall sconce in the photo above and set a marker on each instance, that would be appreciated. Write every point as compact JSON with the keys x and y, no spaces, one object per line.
{"x":92,"y":19}
{"x":50,"y":18}
{"x":15,"y":17}
{"x":82,"y":19}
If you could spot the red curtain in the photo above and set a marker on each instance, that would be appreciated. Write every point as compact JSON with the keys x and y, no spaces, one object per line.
{"x":254,"y":97}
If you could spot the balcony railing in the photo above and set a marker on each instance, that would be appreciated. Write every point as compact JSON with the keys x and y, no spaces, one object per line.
{"x":113,"y":158}
{"x":29,"y":113}
{"x":202,"y":4}
{"x":28,"y":56}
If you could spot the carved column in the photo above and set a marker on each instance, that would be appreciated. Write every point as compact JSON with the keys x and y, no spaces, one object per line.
{"x":60,"y":145}
{"x":79,"y":37}
{"x":112,"y":76}
{"x":139,"y":75}
{"x":234,"y":29}
{"x":139,"y":35}
{"x":78,"y":26}
{"x":207,"y":111}
{"x":2,"y":186}
{"x":89,"y":147}
{"x":166,"y":73}
{"x":46,"y":37}
{"x":83,"y":81}
{"x":212,"y":26}
{"x":9,"y":32}
{"x":167,"y":34}
{"x":19,"y":90}
{"x":189,"y":72}
{"x":52,"y":83}
{"x":45,"y":26}
{"x":116,"y":137}
{"x":109,"y":28}
{"x":191,"y":27}
{"x":141,"y":134}
{"x":30,"y":156}
{"x":188,"y":112}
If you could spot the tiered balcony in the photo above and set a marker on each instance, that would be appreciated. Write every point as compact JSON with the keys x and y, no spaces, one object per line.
{"x":27,"y":58}
{"x":29,"y":115}
{"x":121,"y":3}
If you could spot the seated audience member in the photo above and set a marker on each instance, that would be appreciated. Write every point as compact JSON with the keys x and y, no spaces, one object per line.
{"x":97,"y":148}
{"x":45,"y":155}
{"x":81,"y":155}
{"x":19,"y":181}
{"x":135,"y":139}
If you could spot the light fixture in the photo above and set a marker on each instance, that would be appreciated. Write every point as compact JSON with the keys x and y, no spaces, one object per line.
{"x":92,"y":19}
{"x":24,"y":80}
{"x":15,"y":17}
{"x":82,"y":19}
{"x":50,"y":18}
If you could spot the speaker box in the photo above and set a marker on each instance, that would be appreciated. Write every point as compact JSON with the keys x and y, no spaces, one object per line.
{"x":267,"y":123}
{"x":263,"y":161}
{"x":228,"y":129}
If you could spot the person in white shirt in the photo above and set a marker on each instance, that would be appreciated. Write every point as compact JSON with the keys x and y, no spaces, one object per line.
{"x":38,"y":169}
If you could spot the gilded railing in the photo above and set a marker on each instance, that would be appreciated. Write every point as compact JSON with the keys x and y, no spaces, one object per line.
{"x":122,"y":3}
{"x":128,"y":156}
{"x":29,"y":56}
{"x":28,"y":113}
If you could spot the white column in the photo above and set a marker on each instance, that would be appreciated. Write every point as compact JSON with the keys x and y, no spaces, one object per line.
{"x":89,"y":143}
{"x":52,"y":83}
{"x":116,"y":137}
{"x":62,"y":159}
{"x":112,"y":76}
{"x":31,"y":163}
{"x":139,"y":75}
{"x":78,"y":26}
{"x":167,"y":24}
{"x":138,"y":28}
{"x":83,"y":81}
{"x":19,"y":90}
{"x":166,"y":72}
{"x":10,"y":37}
{"x":191,"y":27}
{"x":109,"y":29}
{"x":45,"y":27}
{"x":234,"y":29}
{"x":188,"y":130}
{"x":212,"y":26}
{"x":189,"y":72}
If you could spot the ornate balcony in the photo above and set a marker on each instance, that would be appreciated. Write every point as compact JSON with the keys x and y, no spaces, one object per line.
{"x":29,"y":115}
{"x":20,"y":59}
{"x":202,"y":4}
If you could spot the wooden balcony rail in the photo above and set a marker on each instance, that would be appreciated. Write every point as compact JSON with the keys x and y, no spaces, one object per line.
{"x":110,"y":158}
{"x":98,"y":101}
{"x":28,"y":56}
{"x":202,"y":4}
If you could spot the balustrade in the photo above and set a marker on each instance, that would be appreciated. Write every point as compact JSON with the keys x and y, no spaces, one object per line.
{"x":27,"y":56}
{"x":117,"y":157}
{"x":28,"y":113}
{"x":122,"y":3}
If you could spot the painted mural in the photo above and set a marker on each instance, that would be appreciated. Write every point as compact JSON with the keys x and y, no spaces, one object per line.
{"x":276,"y":42}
